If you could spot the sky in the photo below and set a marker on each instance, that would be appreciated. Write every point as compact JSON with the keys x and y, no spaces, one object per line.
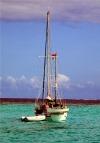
{"x":75,"y":36}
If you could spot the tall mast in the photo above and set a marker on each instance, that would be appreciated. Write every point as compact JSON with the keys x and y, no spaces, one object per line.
{"x":55,"y":78}
{"x":47,"y":58}
{"x":48,"y":55}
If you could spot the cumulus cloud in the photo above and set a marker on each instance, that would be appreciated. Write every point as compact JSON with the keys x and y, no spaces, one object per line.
{"x":65,"y":10}
{"x":86,"y":90}
{"x":63,"y":80}
{"x":24,"y":87}
{"x":19,"y":87}
{"x":11,"y":80}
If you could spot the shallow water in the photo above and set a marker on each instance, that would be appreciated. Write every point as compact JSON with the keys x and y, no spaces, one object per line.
{"x":81,"y":126}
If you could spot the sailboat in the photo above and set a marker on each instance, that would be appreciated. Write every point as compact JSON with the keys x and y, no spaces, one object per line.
{"x":49,"y":107}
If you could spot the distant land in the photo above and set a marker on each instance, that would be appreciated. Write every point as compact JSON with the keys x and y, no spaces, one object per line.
{"x":66,"y":101}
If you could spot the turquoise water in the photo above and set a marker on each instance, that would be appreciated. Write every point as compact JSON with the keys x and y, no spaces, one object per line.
{"x":81,"y":126}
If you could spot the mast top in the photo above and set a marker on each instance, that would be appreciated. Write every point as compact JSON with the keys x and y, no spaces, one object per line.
{"x":48,"y":13}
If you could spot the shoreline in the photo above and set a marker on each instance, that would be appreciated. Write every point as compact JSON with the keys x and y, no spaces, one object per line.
{"x":66,"y":101}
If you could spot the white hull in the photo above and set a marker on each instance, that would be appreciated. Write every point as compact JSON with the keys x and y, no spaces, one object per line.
{"x":59,"y":117}
{"x":58,"y":114}
{"x":33,"y":118}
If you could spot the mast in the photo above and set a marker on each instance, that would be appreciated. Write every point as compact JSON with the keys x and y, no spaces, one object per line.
{"x":47,"y":58}
{"x":48,"y":55}
{"x":55,"y":78}
{"x":54,"y":58}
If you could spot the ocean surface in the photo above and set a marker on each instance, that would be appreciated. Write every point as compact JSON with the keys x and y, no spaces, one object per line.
{"x":81,"y":126}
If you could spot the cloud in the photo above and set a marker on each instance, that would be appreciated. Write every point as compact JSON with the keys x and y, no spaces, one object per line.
{"x":11,"y":80}
{"x":63,"y":10}
{"x":24,"y":87}
{"x":86,"y":90}
{"x":19,"y":87}
{"x":63,"y":80}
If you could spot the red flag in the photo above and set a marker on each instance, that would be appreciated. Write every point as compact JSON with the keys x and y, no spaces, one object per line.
{"x":54,"y":55}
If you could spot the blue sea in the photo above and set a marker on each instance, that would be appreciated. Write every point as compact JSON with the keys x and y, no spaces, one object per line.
{"x":81,"y":126}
